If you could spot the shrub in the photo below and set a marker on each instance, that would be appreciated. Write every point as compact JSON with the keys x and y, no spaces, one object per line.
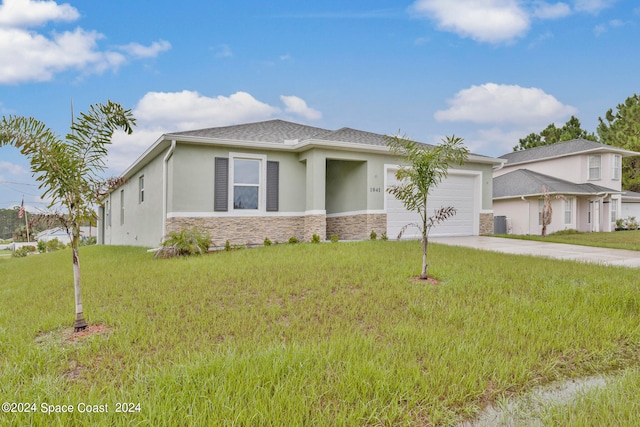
{"x":54,"y":245}
{"x":267,"y":241}
{"x":373,"y":235}
{"x":21,"y":253}
{"x":227,"y":246}
{"x":42,"y":246}
{"x":190,"y":241}
{"x":293,"y":240}
{"x":315,"y":238}
{"x":334,"y":238}
{"x":384,"y":236}
{"x":88,"y":241}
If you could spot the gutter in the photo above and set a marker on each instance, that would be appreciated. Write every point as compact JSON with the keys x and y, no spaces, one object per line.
{"x":165,"y":187}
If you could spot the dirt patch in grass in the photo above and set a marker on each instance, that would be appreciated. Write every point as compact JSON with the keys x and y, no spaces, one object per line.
{"x":68,"y":336}
{"x":430,"y":280}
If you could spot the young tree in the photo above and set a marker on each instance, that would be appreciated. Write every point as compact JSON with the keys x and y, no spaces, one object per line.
{"x":426,"y":167}
{"x":69,"y":170}
{"x":622,"y":129}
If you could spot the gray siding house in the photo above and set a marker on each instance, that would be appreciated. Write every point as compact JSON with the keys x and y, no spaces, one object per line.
{"x":277,"y":179}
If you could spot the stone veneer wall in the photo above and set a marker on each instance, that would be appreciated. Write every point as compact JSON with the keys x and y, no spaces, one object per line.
{"x":486,"y":224}
{"x":356,"y":227}
{"x":253,"y":230}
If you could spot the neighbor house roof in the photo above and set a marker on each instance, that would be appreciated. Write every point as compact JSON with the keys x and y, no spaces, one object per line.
{"x":630,"y":196}
{"x":561,"y":149}
{"x":524,"y":183}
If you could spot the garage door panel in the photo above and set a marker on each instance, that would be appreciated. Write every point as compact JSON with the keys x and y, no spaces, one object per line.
{"x":456,"y":190}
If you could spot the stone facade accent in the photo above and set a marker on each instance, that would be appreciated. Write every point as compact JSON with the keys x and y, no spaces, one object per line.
{"x":314,"y":224}
{"x":356,"y":227}
{"x":245,"y":230}
{"x":486,"y":224}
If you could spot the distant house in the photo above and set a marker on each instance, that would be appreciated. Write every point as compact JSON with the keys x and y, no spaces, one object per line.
{"x":60,"y":234}
{"x":276,"y":180}
{"x":583,"y":178}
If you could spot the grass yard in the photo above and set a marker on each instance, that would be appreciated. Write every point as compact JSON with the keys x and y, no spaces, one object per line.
{"x":615,"y":240}
{"x":309,"y":335}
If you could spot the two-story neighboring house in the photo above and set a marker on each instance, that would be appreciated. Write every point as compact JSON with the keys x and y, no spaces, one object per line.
{"x":583,"y":179}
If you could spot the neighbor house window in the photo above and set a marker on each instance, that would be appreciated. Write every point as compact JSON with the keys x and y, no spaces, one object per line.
{"x":141,"y":189}
{"x":614,"y":210}
{"x":594,"y":167}
{"x":616,"y":167}
{"x":568,"y":211}
{"x":121,"y":207}
{"x":246,"y":184}
{"x":540,"y":207}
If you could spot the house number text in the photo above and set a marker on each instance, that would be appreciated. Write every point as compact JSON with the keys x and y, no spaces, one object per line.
{"x":374,"y":190}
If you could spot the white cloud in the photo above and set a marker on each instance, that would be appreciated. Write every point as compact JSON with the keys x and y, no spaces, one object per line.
{"x":509,"y":104}
{"x":139,"y":51}
{"x":544,"y":10}
{"x":592,"y":6}
{"x":38,"y":57}
{"x":12,"y":169}
{"x":223,"y":51}
{"x":298,"y":106}
{"x":26,"y":13}
{"x":163,"y":112}
{"x":189,"y":110}
{"x":491,"y":21}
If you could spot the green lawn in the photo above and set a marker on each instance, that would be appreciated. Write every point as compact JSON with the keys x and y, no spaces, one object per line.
{"x":615,"y":240}
{"x":307,"y":335}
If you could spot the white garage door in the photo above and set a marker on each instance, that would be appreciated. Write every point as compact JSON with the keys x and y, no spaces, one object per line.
{"x":458,"y":190}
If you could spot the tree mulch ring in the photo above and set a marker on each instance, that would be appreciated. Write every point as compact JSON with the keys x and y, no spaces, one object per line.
{"x":68,"y":336}
{"x":430,"y":280}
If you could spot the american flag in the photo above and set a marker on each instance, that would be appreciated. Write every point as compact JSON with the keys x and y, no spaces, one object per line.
{"x":21,"y":211}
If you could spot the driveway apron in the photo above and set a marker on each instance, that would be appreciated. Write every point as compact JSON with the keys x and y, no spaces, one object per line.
{"x":606,"y":256}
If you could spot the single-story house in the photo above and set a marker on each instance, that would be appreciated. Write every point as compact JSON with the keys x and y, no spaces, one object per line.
{"x":277,"y":179}
{"x":61,"y":234}
{"x":582,"y":178}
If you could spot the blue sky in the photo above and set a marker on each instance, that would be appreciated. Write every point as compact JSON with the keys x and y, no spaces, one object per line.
{"x":490,"y":71}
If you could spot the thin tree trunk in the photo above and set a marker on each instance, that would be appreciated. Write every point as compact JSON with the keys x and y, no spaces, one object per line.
{"x":425,"y":241}
{"x":79,"y":324}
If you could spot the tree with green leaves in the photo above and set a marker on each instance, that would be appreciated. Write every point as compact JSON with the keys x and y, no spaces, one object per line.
{"x":426,"y":167}
{"x":69,"y":170}
{"x":572,"y":129}
{"x":622,"y":129}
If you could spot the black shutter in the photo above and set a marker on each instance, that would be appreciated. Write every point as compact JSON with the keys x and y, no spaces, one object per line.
{"x":221,"y":185}
{"x":273,"y":185}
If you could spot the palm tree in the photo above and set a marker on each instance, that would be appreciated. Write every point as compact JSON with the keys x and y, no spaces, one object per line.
{"x":69,"y":170}
{"x":426,"y":167}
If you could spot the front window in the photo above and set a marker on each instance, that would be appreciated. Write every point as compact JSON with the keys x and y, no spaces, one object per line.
{"x":594,"y":167}
{"x":246,"y":183}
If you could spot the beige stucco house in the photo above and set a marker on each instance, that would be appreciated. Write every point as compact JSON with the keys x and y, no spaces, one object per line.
{"x":583,"y":179}
{"x":276,"y":180}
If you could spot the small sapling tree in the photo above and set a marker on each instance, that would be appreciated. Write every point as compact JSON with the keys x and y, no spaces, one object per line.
{"x":69,"y":170}
{"x":426,"y":167}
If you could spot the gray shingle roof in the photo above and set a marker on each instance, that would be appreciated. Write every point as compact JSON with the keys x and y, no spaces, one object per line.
{"x":556,"y":150}
{"x":276,"y":131}
{"x":523,"y":182}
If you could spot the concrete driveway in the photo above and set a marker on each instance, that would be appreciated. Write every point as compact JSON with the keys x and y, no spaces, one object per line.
{"x":552,"y":250}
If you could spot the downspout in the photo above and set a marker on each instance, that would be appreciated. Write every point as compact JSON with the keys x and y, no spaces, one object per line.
{"x":165,"y":187}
